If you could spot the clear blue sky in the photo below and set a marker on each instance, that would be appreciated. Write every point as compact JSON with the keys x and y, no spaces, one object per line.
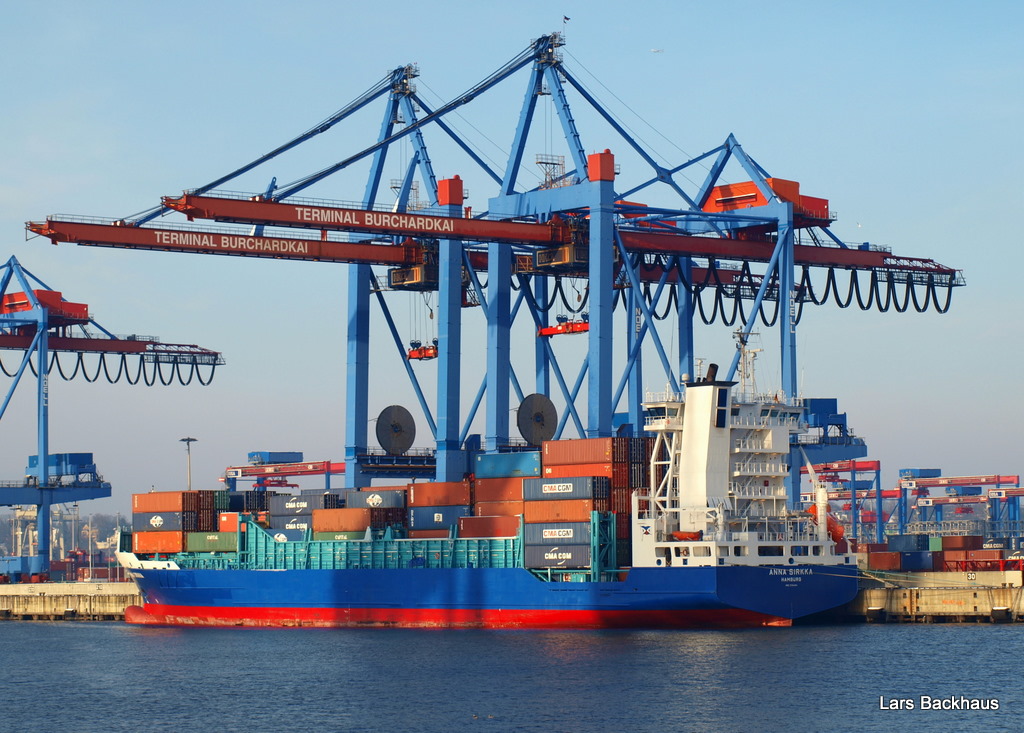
{"x":906,"y":116}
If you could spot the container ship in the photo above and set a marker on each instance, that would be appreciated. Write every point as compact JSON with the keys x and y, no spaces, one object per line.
{"x":686,"y":528}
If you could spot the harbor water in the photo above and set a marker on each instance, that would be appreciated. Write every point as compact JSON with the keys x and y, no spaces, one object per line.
{"x":113,"y":677}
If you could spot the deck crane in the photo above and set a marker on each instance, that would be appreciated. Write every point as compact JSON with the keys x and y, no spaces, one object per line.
{"x":42,"y":324}
{"x":718,"y":252}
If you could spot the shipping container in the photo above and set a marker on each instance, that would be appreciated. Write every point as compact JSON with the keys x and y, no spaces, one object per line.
{"x":935,"y":544}
{"x":568,"y":533}
{"x":586,"y":450}
{"x":873,"y":547}
{"x":228,"y":522}
{"x":557,"y":556}
{"x":566,"y":510}
{"x":579,"y":487}
{"x":260,"y":457}
{"x":962,"y":542}
{"x":287,"y":504}
{"x":492,"y":526}
{"x":918,"y":561}
{"x":336,"y":492}
{"x":523,"y":464}
{"x":908,"y":542}
{"x":498,"y":508}
{"x":497,"y":489}
{"x":299,"y":522}
{"x":910,"y":473}
{"x":148,"y":542}
{"x":436,"y":517}
{"x":211,"y":541}
{"x":166,"y":522}
{"x":984,"y":555}
{"x":623,"y":526}
{"x":257,"y":500}
{"x":429,"y":534}
{"x":341,"y":520}
{"x":337,"y":536}
{"x":387,"y":498}
{"x":884,"y":561}
{"x":288,"y":535}
{"x":165,"y":501}
{"x":938,"y":561}
{"x":573,"y":470}
{"x":439,"y":493}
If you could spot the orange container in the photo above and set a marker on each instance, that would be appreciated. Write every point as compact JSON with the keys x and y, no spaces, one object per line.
{"x":166,"y":501}
{"x":495,"y":526}
{"x":158,"y":541}
{"x":439,"y":493}
{"x":227,"y":522}
{"x":498,"y":508}
{"x":975,"y":555}
{"x":428,"y":534}
{"x":352,"y":519}
{"x":497,"y":489}
{"x":884,"y":561}
{"x":562,"y":510}
{"x":605,"y":470}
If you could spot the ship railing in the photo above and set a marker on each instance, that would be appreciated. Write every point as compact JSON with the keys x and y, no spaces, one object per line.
{"x":751,"y":446}
{"x":768,"y":398}
{"x":765,"y":422}
{"x":759,"y":468}
{"x":744,"y":491}
{"x":665,"y":396}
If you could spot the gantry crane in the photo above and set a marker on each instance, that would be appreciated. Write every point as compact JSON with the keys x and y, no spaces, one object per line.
{"x":719,"y":252}
{"x":39,"y":322}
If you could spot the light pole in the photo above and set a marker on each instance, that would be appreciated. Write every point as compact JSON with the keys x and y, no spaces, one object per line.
{"x":188,"y":450}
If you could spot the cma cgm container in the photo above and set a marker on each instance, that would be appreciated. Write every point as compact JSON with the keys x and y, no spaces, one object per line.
{"x":166,"y":521}
{"x":524,"y":464}
{"x":580,"y":487}
{"x":388,"y":498}
{"x":284,"y":504}
{"x":557,"y":556}
{"x":568,"y":533}
{"x":297,"y":522}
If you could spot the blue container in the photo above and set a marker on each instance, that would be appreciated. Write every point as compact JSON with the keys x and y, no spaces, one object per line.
{"x":916,"y":561}
{"x":557,"y":556}
{"x":382,"y":499}
{"x":436,"y":517}
{"x":580,"y":487}
{"x":165,"y":522}
{"x":920,"y":472}
{"x":288,"y":535}
{"x":261,"y":457}
{"x":288,"y":504}
{"x":964,"y":491}
{"x":569,"y":533}
{"x":236,"y":501}
{"x":299,"y":523}
{"x":908,"y":542}
{"x":507,"y":465}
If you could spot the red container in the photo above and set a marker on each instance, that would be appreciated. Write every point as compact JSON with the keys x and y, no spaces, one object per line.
{"x":621,"y":500}
{"x":623,"y":526}
{"x":955,"y":555}
{"x":884,"y":561}
{"x":497,"y":489}
{"x":158,"y":541}
{"x":498,"y":508}
{"x":575,"y":470}
{"x":872,"y":547}
{"x":493,"y":526}
{"x":428,"y":534}
{"x":586,"y":450}
{"x":341,"y":520}
{"x":938,"y":561}
{"x":963,"y":542}
{"x":563,"y":510}
{"x":439,"y":493}
{"x":984,"y":555}
{"x":165,"y":501}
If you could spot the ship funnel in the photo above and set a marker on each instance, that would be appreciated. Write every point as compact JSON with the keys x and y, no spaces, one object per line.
{"x":712,"y":373}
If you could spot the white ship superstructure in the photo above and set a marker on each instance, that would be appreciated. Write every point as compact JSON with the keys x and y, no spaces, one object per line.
{"x":718,"y":494}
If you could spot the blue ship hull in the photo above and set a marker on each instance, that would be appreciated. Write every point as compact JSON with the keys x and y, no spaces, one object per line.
{"x":732,"y":596}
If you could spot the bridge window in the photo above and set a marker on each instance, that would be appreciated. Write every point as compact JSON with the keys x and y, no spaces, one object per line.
{"x":770,"y":550}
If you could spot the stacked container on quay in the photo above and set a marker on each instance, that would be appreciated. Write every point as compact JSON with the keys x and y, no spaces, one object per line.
{"x":689,"y":528}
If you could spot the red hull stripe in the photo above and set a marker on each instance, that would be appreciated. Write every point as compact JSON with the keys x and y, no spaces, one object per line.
{"x":454,"y":618}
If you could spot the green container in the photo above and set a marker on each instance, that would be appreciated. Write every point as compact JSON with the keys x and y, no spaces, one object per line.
{"x":221,"y":501}
{"x":334,"y":536}
{"x":211,"y":541}
{"x":935,"y":544}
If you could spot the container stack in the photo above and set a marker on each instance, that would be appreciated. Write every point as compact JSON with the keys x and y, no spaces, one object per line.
{"x":623,"y":461}
{"x":293,"y":515}
{"x":435,"y":507}
{"x":916,"y":553}
{"x":161,"y":520}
